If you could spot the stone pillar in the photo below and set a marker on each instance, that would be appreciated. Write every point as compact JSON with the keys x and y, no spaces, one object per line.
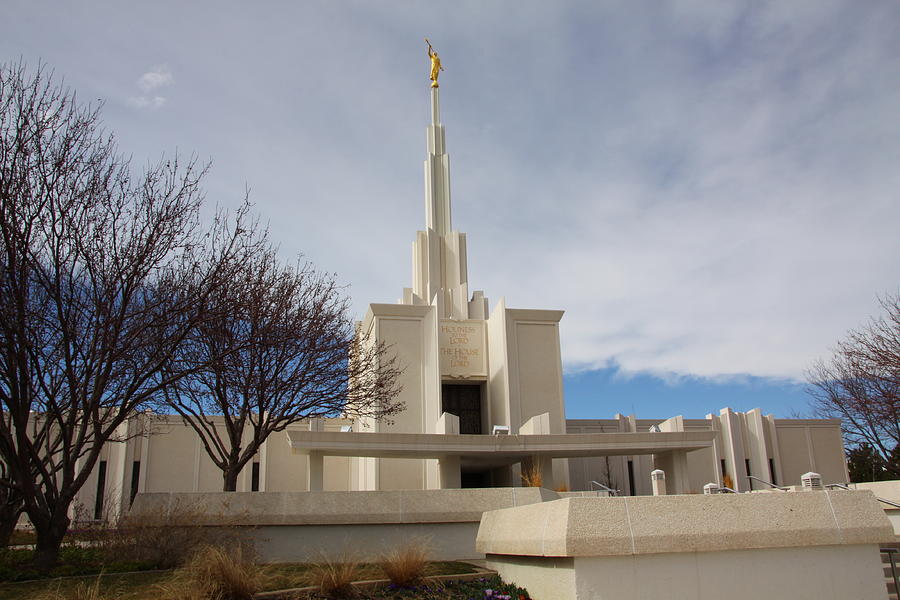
{"x":315,"y":472}
{"x":658,"y":482}
{"x":448,"y":467}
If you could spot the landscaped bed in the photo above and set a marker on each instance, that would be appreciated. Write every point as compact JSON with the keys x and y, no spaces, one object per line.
{"x":144,"y":585}
{"x":145,"y":561}
{"x":482,"y":588}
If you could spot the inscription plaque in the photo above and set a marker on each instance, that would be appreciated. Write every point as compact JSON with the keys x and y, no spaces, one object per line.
{"x":461,"y":347}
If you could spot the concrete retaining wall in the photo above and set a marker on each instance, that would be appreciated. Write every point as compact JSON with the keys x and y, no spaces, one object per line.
{"x":301,"y":526}
{"x":809,"y":545}
{"x":309,"y":543}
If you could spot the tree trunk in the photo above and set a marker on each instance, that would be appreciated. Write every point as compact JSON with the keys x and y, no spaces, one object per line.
{"x":230,"y":476}
{"x":50,"y":535}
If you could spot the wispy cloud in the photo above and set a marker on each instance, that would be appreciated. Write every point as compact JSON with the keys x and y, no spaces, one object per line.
{"x":707,"y":189}
{"x":147,"y":102}
{"x":157,"y":77}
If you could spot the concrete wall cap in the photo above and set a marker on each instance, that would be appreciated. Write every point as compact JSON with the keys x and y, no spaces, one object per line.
{"x":333,"y":508}
{"x":691,"y":523}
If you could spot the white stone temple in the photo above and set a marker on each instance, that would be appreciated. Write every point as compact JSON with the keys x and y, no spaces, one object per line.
{"x":484,"y":406}
{"x":467,"y":370}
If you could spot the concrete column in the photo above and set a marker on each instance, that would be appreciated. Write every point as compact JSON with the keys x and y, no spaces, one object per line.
{"x":560,"y":469}
{"x":680,"y":475}
{"x":263,"y":452}
{"x":198,"y":450}
{"x":115,"y":473}
{"x":733,"y":442}
{"x":448,"y":467}
{"x":144,"y":471}
{"x":658,"y":482}
{"x":757,"y":452}
{"x":315,"y":477}
{"x":717,"y":452}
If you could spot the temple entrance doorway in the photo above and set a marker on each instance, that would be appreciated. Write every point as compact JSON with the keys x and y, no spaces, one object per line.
{"x":464,"y":401}
{"x":475,"y":478}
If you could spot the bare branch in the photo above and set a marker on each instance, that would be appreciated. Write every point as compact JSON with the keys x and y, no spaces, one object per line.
{"x":860,"y":384}
{"x":281,"y":348}
{"x":103,"y":272}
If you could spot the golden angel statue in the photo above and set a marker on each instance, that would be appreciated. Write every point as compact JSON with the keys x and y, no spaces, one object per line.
{"x":436,"y":67}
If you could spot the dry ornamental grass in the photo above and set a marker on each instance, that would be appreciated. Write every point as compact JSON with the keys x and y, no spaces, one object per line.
{"x":335,"y":577}
{"x":532,"y":475}
{"x":406,"y":565}
{"x":81,"y":591}
{"x":214,"y":573}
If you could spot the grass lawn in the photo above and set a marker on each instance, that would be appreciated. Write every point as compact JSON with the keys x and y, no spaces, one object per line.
{"x":133,"y":586}
{"x":141,"y":586}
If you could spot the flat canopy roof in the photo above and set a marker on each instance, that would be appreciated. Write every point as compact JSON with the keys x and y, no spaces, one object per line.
{"x":512,"y":448}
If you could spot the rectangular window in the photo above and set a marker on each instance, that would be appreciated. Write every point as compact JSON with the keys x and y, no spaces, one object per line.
{"x":724,"y":472}
{"x":135,"y":480}
{"x":747,"y":468}
{"x":772,"y":471}
{"x":101,"y":490}
{"x":631,"y":478}
{"x":254,"y":478}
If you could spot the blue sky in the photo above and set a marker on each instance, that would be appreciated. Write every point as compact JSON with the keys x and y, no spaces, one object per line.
{"x":650,"y":396}
{"x":709,"y":189}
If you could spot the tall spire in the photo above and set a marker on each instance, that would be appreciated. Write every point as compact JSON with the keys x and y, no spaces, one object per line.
{"x":437,"y":172}
{"x":440,"y":274}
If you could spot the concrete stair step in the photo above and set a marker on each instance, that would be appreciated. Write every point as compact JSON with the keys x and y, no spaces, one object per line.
{"x":888,"y":574}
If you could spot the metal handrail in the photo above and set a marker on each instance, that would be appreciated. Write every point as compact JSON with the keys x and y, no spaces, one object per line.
{"x":605,"y":488}
{"x":777,"y":487}
{"x":839,"y":485}
{"x":849,"y":489}
{"x":890,"y":552}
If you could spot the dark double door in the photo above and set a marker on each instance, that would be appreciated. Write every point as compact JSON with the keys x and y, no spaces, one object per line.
{"x":464,"y":401}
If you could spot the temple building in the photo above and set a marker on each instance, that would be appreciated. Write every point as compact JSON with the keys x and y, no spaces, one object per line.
{"x":484,"y":403}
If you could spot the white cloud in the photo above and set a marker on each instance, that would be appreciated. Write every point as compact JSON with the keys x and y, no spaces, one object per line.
{"x":157,"y":77}
{"x":146,"y":101}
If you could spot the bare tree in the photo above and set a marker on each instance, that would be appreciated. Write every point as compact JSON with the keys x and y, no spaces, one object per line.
{"x":860,"y":384}
{"x":288,"y":351}
{"x":102,"y":275}
{"x":11,"y":506}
